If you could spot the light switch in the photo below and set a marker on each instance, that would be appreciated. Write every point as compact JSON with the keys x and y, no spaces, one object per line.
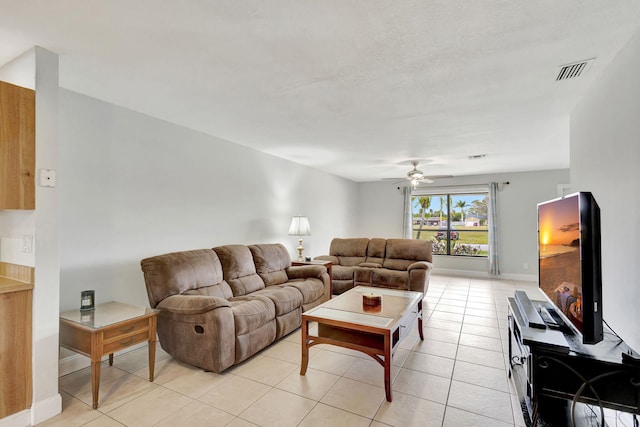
{"x":27,"y":244}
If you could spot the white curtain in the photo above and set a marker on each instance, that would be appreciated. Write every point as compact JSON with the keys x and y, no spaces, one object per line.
{"x":406,"y":222}
{"x":494,"y":258}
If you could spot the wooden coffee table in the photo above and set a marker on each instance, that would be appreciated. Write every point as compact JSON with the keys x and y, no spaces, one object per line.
{"x":108,"y":328}
{"x":344,"y":321}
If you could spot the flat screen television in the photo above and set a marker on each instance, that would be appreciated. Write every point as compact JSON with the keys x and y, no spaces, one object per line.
{"x":569,"y":262}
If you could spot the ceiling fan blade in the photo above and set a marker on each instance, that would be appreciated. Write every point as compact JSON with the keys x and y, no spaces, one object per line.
{"x":439,"y":176}
{"x":395,"y":181}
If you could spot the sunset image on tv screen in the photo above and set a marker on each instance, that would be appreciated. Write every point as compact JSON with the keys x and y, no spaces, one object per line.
{"x":559,"y":256}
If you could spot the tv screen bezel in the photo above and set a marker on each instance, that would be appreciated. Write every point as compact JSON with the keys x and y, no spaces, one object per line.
{"x":590,"y":266}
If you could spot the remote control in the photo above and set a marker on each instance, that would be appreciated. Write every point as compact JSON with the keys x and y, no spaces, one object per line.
{"x":548,"y":320}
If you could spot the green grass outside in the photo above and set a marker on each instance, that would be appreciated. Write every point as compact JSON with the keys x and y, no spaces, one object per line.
{"x":478,"y":236}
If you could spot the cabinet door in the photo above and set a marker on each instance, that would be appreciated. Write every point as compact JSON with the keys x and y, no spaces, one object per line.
{"x":17,"y":147}
{"x":15,"y":352}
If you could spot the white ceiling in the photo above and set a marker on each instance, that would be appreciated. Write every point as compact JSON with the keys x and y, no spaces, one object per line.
{"x":352,"y":87}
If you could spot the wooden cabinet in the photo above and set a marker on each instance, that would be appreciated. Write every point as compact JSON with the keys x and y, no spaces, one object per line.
{"x":17,"y":147}
{"x":15,"y":346}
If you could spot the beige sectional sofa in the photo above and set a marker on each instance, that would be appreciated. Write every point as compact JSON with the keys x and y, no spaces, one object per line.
{"x":390,"y":263}
{"x":220,"y":306}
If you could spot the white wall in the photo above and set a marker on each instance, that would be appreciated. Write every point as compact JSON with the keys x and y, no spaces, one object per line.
{"x":605,"y":159}
{"x":380,"y":207}
{"x":38,"y":69}
{"x":132,"y":186}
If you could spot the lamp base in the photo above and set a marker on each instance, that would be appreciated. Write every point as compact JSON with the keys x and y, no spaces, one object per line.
{"x":300,"y":250}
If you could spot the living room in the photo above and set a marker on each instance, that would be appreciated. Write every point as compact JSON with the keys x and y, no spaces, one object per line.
{"x":132,"y":186}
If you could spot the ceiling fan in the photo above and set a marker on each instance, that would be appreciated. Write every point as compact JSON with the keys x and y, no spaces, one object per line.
{"x":415,"y":176}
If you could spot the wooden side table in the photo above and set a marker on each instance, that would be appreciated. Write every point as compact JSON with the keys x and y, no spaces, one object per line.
{"x":328,"y":266}
{"x":108,"y":328}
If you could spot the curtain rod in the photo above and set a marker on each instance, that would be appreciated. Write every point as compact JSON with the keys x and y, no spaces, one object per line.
{"x":446,"y":187}
{"x":470,"y":185}
{"x":461,"y":185}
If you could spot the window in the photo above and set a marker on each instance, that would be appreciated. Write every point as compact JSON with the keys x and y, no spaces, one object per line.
{"x":457,"y":224}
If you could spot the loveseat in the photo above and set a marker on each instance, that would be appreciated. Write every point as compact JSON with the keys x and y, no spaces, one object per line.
{"x":389,"y":263}
{"x":219,"y":306}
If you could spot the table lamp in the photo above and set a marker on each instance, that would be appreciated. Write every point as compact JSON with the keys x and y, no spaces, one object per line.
{"x":300,"y":227}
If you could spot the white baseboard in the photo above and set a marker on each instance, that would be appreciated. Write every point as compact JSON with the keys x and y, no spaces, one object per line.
{"x":39,"y":412}
{"x":521,"y":277}
{"x":72,"y":363}
{"x":76,"y":361}
{"x":484,"y":274}
{"x":45,"y":409}
{"x":20,"y":419}
{"x":463,"y":273}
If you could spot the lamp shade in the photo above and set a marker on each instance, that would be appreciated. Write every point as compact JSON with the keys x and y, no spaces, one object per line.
{"x":300,"y":226}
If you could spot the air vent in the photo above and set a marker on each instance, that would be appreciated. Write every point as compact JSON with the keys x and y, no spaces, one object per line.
{"x":571,"y":71}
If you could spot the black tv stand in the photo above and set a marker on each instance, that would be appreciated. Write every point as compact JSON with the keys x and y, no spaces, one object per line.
{"x":555,"y":373}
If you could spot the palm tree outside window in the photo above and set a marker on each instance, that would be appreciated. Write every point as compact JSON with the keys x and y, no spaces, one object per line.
{"x":456,"y":224}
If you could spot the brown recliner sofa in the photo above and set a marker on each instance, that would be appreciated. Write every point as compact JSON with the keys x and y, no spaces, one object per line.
{"x":390,"y":263}
{"x":220,"y":306}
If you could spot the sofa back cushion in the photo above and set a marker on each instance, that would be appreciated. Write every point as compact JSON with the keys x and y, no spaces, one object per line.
{"x":376,"y":251}
{"x":271,"y":261}
{"x":403,"y":252}
{"x":350,"y":252}
{"x":184,"y":272}
{"x":239,"y":269}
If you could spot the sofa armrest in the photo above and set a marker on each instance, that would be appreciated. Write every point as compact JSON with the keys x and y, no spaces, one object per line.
{"x":191,"y":304}
{"x":334,"y":259}
{"x":419,"y":276}
{"x":306,"y":271}
{"x":423,"y":265}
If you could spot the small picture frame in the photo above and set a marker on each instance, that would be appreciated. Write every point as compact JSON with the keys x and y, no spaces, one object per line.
{"x":87,"y":300}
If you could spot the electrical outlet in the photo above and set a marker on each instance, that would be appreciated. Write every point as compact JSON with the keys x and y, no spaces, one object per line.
{"x":525,"y":266}
{"x":27,"y":244}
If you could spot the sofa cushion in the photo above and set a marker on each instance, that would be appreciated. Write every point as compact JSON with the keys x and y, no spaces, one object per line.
{"x":350,"y":252}
{"x":311,"y":289}
{"x":251,"y":312}
{"x":393,"y":279}
{"x":271,"y":262}
{"x":285,"y":299}
{"x":401,"y":253}
{"x":255,"y":324}
{"x":179,"y":272}
{"x":340,"y":272}
{"x":376,"y":251}
{"x":239,"y":269}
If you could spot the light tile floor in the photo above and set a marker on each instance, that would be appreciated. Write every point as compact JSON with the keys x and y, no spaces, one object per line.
{"x":457,"y":376}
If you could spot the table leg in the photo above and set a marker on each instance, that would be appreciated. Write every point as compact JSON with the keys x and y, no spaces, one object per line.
{"x":110,"y":359}
{"x":152,"y":358}
{"x":387,"y":366}
{"x":420,"y":332}
{"x":95,"y":380}
{"x":305,"y":348}
{"x":153,"y":323}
